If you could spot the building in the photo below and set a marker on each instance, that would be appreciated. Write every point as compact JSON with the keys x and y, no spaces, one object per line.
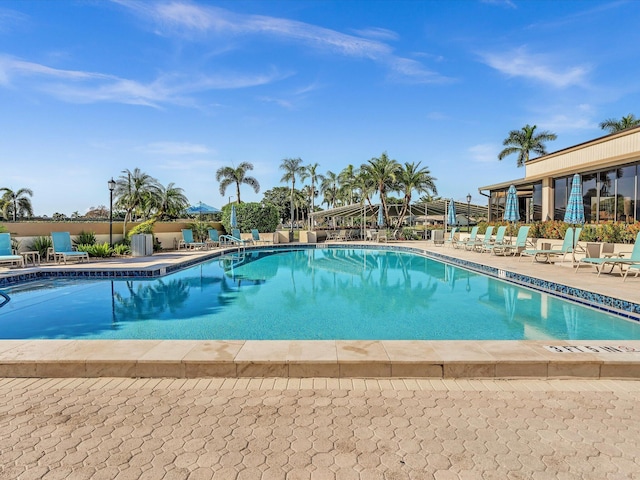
{"x":609,"y":167}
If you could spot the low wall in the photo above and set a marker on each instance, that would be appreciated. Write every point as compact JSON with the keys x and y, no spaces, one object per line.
{"x":168,"y":233}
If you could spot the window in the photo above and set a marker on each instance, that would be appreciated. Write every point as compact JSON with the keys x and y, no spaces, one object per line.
{"x":560,"y":198}
{"x":590,"y":196}
{"x":626,"y":194}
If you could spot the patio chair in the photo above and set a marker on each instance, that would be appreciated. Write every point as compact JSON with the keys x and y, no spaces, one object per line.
{"x":188,"y":241}
{"x":545,"y":255}
{"x":469,"y":242}
{"x":521,"y":243}
{"x":6,"y":252}
{"x":486,"y":241}
{"x":497,"y":242}
{"x":214,"y":238}
{"x":63,"y":250}
{"x":631,"y":262}
{"x":453,"y":237}
{"x":255,"y":236}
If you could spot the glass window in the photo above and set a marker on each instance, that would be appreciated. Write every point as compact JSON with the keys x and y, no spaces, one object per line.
{"x":560,"y":197}
{"x":537,"y":202}
{"x":626,"y":194}
{"x":607,"y":194}
{"x":590,"y":196}
{"x":497,"y":205}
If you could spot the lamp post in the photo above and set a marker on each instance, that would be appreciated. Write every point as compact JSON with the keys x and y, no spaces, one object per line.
{"x":112,"y":186}
{"x":468,"y":210}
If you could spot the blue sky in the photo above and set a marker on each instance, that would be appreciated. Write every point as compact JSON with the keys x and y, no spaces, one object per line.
{"x":179,"y":89}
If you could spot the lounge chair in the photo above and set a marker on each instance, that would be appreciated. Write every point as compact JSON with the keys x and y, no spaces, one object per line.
{"x":486,"y":241}
{"x":521,"y":243}
{"x":469,"y":242}
{"x":497,"y":242}
{"x":63,"y":250}
{"x":214,"y":238}
{"x":545,"y":255}
{"x":188,"y":241}
{"x":255,"y":237}
{"x":6,"y":252}
{"x":453,"y":237}
{"x":631,"y":262}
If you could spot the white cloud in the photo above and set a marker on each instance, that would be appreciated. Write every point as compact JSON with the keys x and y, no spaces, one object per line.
{"x":187,"y":20}
{"x":521,"y":63}
{"x":484,"y":152}
{"x":379,"y":33}
{"x":175,"y":148}
{"x":91,"y":87}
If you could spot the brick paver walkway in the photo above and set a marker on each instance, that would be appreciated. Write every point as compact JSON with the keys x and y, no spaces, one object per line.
{"x":318,"y":429}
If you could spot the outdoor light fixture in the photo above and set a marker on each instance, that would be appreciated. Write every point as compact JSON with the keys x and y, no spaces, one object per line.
{"x":112,"y":186}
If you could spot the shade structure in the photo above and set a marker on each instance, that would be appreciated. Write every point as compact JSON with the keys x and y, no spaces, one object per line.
{"x":451,"y":213}
{"x":201,"y":208}
{"x":511,"y":210}
{"x":234,"y":218}
{"x":380,"y":217}
{"x":575,"y":205}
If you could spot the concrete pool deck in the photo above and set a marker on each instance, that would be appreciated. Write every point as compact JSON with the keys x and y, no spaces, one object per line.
{"x":337,"y":359}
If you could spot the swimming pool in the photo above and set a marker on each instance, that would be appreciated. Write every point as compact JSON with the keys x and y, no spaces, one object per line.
{"x":308,"y":294}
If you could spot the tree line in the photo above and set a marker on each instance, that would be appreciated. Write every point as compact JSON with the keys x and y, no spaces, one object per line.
{"x":139,"y":196}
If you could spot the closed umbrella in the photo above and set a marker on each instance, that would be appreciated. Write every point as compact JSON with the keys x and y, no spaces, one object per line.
{"x":234,"y":217}
{"x":451,"y":215}
{"x":380,"y":217}
{"x":575,"y":206}
{"x":511,"y":210}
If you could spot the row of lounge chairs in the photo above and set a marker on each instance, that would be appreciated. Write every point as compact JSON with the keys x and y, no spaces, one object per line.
{"x":61,"y":251}
{"x":216,"y":240}
{"x":602,"y":259}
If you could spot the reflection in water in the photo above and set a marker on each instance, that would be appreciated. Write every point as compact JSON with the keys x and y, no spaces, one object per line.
{"x":4,"y":299}
{"x":327,"y":293}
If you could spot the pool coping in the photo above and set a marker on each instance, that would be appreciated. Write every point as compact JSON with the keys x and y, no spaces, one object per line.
{"x":339,"y":358}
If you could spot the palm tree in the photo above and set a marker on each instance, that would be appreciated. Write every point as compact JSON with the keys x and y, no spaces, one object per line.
{"x":329,"y":188}
{"x":347,"y":178}
{"x":311,"y":172}
{"x":525,"y":141}
{"x":292,"y":169}
{"x":171,"y":202}
{"x":229,"y":175}
{"x":383,"y":171}
{"x":133,"y":190}
{"x":17,"y":204}
{"x":615,"y":126}
{"x":411,"y":178}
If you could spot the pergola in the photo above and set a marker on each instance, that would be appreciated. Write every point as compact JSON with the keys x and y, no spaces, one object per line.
{"x":435,"y":208}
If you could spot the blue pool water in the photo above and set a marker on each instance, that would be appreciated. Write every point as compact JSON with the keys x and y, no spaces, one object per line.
{"x":304,"y":294}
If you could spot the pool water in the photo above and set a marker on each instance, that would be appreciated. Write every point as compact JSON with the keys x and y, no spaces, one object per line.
{"x":308,"y":294}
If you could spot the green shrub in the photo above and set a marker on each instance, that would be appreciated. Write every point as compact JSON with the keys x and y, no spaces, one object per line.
{"x":143,"y":228}
{"x":409,"y":234}
{"x":100,"y":250}
{"x":121,"y":249}
{"x":85,"y":238}
{"x":3,"y":229}
{"x":264,"y":218}
{"x":41,"y":245}
{"x":200,"y":230}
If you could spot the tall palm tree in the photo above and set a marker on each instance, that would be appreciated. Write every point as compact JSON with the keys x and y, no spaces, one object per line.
{"x":383,"y":171}
{"x":292,"y":169}
{"x":311,"y":172}
{"x":229,"y":175}
{"x":525,"y":141}
{"x":614,"y":126}
{"x":16,"y":204}
{"x":347,"y":178}
{"x":410,"y":178}
{"x":329,"y":189}
{"x":132,"y":191}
